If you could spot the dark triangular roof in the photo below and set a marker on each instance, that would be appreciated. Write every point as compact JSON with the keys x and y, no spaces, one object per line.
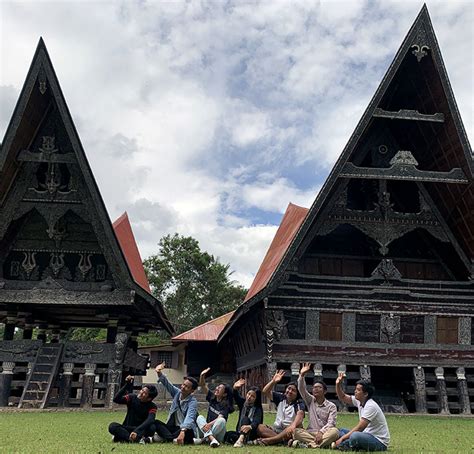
{"x":39,"y":91}
{"x":454,"y":207}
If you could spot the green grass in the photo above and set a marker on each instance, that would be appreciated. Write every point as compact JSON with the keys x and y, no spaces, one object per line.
{"x":77,"y":431}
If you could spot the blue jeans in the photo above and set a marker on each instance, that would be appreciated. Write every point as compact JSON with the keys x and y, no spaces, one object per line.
{"x":360,"y":441}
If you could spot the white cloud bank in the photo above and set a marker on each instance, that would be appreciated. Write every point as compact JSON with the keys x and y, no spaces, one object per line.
{"x":208,"y":118}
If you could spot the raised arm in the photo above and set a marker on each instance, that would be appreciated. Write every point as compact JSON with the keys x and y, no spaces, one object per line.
{"x":173,"y":390}
{"x":307,"y":397}
{"x":268,"y":388}
{"x":239,"y":400}
{"x":121,"y":396}
{"x":342,"y":396}
{"x":202,"y":380}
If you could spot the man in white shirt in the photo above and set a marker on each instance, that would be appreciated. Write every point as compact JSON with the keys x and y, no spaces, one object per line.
{"x":371,"y":433}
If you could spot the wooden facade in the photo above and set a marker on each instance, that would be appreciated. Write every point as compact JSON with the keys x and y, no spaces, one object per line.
{"x":377,"y":277}
{"x":62,"y":264}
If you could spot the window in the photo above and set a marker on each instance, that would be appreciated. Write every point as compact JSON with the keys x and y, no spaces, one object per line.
{"x":447,"y":330}
{"x":296,"y":324}
{"x":160,"y":356}
{"x":330,"y":326}
{"x":367,"y":328}
{"x":412,"y":329}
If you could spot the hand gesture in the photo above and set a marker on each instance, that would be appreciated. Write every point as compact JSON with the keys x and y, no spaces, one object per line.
{"x":160,"y":367}
{"x":205,"y":372}
{"x":340,"y":377}
{"x":129,"y":378}
{"x":305,"y":369}
{"x":239,"y":383}
{"x":245,"y":429}
{"x":279,"y":374}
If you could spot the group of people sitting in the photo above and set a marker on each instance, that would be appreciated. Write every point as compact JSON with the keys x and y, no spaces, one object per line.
{"x":185,"y":426}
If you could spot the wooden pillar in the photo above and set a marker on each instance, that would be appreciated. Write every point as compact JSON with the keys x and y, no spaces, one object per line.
{"x":55,"y":333}
{"x":342,"y":368}
{"x":420,"y":389}
{"x":6,"y":378}
{"x":9,"y":328}
{"x":42,"y":332}
{"x":88,"y":381}
{"x":318,"y":372}
{"x":112,"y":329}
{"x":441,"y":390}
{"x":365,"y":373}
{"x":65,"y":387}
{"x":28,"y":331}
{"x":114,"y":373}
{"x":295,"y":371}
{"x":134,"y":341}
{"x":463,"y":392}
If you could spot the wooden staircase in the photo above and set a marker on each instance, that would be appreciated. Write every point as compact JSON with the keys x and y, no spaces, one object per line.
{"x":44,"y":370}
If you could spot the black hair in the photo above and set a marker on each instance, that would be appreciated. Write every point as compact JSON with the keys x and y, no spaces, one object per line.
{"x":367,"y":387}
{"x":258,"y":399}
{"x":293,"y":383}
{"x":325,"y":387}
{"x":229,"y":396}
{"x":152,"y":391}
{"x":194,"y":382}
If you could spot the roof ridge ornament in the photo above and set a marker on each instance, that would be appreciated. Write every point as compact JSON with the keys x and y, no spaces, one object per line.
{"x":420,"y":44}
{"x":404,"y":158}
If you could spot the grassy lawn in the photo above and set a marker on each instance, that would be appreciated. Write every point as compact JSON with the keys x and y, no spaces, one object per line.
{"x":70,"y":432}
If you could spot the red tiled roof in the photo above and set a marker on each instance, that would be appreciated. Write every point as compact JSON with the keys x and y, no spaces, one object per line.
{"x":208,"y":331}
{"x":123,"y":231}
{"x":289,"y":225}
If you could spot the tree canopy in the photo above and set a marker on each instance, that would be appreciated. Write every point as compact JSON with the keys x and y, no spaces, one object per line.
{"x":193,"y":285}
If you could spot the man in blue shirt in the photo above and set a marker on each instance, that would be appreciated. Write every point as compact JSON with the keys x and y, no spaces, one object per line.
{"x":180,"y":426}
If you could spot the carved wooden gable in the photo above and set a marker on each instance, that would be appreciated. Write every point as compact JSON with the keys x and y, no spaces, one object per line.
{"x":54,"y":226}
{"x":400,"y":199}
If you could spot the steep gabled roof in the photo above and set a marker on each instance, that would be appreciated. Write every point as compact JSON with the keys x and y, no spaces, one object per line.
{"x":208,"y":331}
{"x":454,"y":203}
{"x":291,"y":222}
{"x":40,"y":97}
{"x":126,"y":239}
{"x":421,"y":34}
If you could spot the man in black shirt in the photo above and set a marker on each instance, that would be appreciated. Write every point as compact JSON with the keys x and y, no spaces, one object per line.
{"x":139,"y":423}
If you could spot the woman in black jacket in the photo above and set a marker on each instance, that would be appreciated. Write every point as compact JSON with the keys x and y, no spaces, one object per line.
{"x":250,"y":415}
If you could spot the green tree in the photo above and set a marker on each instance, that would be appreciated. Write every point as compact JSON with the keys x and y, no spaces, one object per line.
{"x":193,"y":285}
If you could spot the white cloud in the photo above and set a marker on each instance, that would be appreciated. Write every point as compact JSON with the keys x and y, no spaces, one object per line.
{"x":194,"y":115}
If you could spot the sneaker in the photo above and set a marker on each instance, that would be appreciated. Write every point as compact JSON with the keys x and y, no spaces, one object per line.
{"x":198,"y":441}
{"x":239,"y":444}
{"x":157,"y":439}
{"x":145,"y":440}
{"x":214,"y":444}
{"x":298,"y":444}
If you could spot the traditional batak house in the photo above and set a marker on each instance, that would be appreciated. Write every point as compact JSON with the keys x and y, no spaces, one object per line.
{"x":377,"y":278}
{"x":63,"y":264}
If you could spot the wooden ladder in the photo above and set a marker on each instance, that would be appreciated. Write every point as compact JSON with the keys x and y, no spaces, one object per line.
{"x":39,"y":382}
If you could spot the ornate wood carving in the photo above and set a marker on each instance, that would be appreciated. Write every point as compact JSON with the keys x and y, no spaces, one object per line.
{"x":387,"y":271}
{"x":275,"y":321}
{"x":384,"y":224}
{"x":406,"y":114}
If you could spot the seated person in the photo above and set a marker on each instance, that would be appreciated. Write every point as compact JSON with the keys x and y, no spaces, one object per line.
{"x":321,"y":431}
{"x":250,"y":415}
{"x":220,"y":405}
{"x":290,"y":413}
{"x":139,"y":423}
{"x":371,"y":433}
{"x":180,"y":426}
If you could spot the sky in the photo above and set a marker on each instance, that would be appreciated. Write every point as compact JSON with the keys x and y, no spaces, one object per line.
{"x":208,"y":118}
